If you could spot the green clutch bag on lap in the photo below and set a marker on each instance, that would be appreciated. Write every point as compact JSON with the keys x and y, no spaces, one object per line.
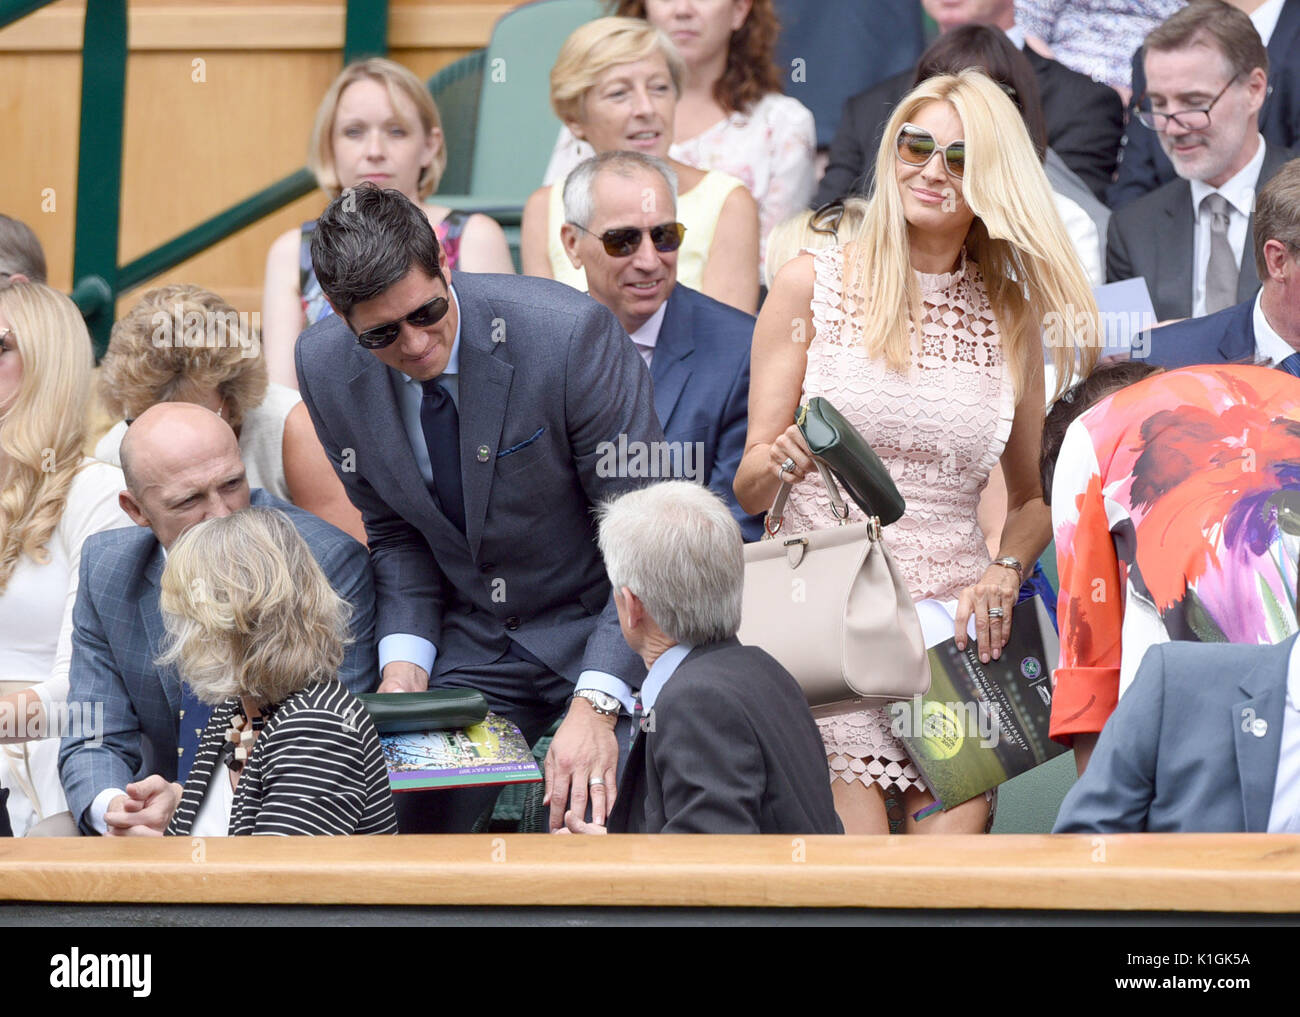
{"x":439,"y":710}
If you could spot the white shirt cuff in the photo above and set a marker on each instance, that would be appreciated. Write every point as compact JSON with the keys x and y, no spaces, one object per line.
{"x":607,"y":683}
{"x":100,"y":805}
{"x":413,"y":649}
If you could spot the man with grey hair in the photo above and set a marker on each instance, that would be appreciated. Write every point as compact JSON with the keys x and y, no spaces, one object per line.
{"x":727,"y":743}
{"x":21,"y":256}
{"x":620,"y":210}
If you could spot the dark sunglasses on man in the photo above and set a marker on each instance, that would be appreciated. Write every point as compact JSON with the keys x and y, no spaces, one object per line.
{"x":623,"y":242}
{"x":916,"y":147}
{"x":424,"y":316}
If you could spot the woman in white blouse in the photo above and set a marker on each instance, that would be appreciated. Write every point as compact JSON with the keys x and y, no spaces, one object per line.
{"x":732,"y":115}
{"x":51,"y":499}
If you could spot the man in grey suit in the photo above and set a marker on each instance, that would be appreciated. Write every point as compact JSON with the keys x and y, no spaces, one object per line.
{"x":727,"y":743}
{"x":1206,"y":740}
{"x":182,"y":465}
{"x":474,"y":422}
{"x":1207,"y":77}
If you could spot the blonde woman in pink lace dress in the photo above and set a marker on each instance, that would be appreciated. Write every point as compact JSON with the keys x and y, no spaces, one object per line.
{"x":924,"y":331}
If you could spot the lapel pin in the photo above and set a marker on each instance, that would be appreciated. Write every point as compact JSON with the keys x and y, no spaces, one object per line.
{"x":1260,"y":728}
{"x":484,"y":453}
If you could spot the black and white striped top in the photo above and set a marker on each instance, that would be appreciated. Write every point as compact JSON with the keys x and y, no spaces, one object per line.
{"x":316,"y":768}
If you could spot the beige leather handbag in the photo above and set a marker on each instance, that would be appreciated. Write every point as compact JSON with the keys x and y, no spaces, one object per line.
{"x":831,"y":607}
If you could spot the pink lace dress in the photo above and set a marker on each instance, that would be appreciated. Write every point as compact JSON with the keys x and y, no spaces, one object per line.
{"x":939,"y":429}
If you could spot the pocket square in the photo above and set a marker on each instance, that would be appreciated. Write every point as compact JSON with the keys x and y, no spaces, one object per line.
{"x":522,"y":445}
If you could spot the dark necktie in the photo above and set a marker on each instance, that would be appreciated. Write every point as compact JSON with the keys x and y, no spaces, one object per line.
{"x":194,"y":714}
{"x":1222,"y":269}
{"x":441,"y":425}
{"x":1291,"y":365}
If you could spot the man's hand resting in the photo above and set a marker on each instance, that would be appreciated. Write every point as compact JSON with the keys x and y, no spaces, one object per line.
{"x":403,"y":676}
{"x":145,"y":809}
{"x":583,"y":748}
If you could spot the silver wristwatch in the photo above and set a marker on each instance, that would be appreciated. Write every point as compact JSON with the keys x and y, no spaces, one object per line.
{"x":1012,"y":563}
{"x":602,"y":702}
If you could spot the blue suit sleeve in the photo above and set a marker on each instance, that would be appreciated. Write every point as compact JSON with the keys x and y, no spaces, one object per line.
{"x":1115,"y":792}
{"x":351,"y":579}
{"x":90,"y":764}
{"x":730,"y":449}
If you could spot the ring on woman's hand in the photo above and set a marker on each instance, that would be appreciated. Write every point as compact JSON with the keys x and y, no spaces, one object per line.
{"x":996,"y":612}
{"x":788,"y":466}
{"x":595,"y":781}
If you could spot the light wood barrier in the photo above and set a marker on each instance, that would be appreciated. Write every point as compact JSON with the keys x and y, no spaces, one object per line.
{"x":1243,"y":873}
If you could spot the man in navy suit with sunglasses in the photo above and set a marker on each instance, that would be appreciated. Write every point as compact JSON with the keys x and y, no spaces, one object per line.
{"x":475,"y":422}
{"x":620,"y":210}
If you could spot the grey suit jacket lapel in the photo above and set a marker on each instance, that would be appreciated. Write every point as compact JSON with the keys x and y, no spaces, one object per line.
{"x":484,"y":392}
{"x":1248,"y":279}
{"x":154,"y":629}
{"x":670,"y":365}
{"x":1257,"y":755}
{"x":1174,"y":283}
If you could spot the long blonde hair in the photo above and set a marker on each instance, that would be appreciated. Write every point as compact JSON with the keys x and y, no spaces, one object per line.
{"x":1033,"y":276}
{"x":44,"y":428}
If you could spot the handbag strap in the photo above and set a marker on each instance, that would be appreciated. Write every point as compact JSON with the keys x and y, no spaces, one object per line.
{"x":772,"y":523}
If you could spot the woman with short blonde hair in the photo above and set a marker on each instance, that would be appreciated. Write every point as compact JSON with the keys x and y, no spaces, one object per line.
{"x":51,"y":499}
{"x":182,"y":343}
{"x":254,"y":628}
{"x":378,"y":124}
{"x":732,"y":114}
{"x":925,"y":333}
{"x":615,"y":84}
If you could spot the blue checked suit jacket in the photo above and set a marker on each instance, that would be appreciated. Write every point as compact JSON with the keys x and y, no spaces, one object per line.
{"x":118,"y":632}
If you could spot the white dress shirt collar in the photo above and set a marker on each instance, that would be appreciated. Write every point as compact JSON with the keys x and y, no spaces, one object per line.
{"x":1017,"y":36}
{"x":660,"y":671}
{"x":1268,"y":344}
{"x":1284,"y":815}
{"x":1240,"y":190}
{"x":1264,"y":18}
{"x":647,"y":336}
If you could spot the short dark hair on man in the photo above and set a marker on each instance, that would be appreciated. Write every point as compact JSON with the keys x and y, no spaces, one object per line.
{"x":368,"y":239}
{"x":1106,"y":378}
{"x":1217,"y":23}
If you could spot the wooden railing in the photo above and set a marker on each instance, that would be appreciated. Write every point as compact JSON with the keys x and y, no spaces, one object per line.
{"x":1242,"y":873}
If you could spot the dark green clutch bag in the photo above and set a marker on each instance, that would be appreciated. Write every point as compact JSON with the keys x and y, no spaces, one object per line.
{"x":861,"y":474}
{"x":439,"y":710}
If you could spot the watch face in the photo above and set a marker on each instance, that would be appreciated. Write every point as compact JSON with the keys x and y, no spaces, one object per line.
{"x":600,"y":700}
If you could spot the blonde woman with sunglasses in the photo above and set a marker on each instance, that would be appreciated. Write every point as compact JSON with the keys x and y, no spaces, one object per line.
{"x":51,"y":499}
{"x":924,"y":330}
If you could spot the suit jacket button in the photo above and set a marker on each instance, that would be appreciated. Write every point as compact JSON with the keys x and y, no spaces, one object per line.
{"x":512,"y":623}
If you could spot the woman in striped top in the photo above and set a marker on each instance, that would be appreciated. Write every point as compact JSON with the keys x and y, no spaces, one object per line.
{"x":255,"y":629}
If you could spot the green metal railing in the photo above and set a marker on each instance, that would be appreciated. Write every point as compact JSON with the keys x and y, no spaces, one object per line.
{"x":97,"y":276}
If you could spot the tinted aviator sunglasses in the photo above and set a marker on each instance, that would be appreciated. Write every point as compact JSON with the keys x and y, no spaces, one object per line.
{"x":916,"y":147}
{"x":623,"y":242}
{"x":422,"y":317}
